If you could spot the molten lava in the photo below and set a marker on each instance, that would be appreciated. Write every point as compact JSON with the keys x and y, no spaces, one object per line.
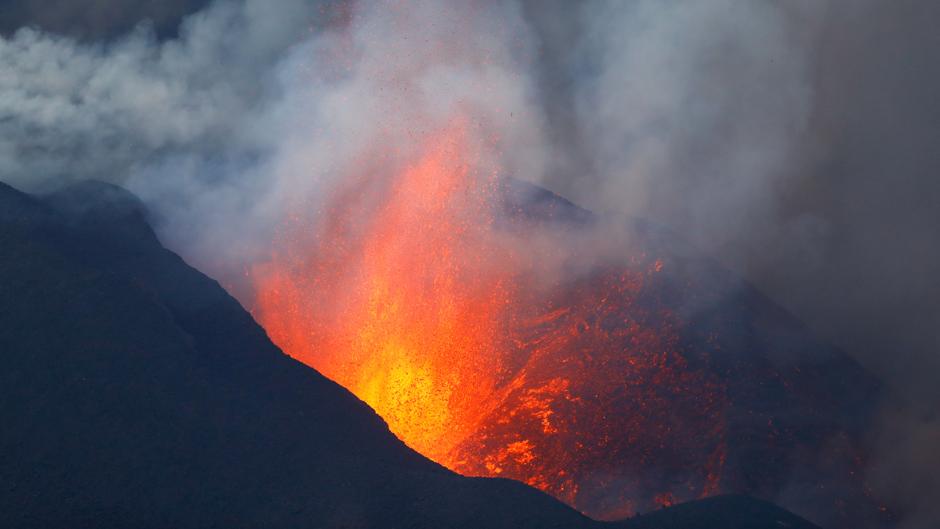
{"x":400,"y":295}
{"x":415,"y":289}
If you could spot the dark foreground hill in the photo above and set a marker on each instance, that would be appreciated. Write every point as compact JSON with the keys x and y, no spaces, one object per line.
{"x":136,"y":393}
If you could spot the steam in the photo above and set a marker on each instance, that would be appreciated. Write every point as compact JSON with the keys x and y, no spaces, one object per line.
{"x":96,"y":111}
{"x":251,"y":107}
{"x":666,"y":128}
{"x":724,"y":120}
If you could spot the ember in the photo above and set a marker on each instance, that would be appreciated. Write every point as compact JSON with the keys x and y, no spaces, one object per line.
{"x":413,"y":292}
{"x":395,"y":293}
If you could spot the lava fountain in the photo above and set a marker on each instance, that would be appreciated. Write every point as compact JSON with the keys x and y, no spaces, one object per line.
{"x":396,"y":294}
{"x":439,"y":302}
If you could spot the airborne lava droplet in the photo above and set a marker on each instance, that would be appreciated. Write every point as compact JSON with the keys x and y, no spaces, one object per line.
{"x":416,"y":291}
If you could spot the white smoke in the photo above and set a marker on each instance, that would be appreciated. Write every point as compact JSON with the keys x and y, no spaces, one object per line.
{"x":695,"y":114}
{"x":96,"y":111}
{"x":694,"y":110}
{"x":252,"y":106}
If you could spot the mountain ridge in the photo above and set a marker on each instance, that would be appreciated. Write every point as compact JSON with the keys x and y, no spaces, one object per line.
{"x":137,"y":393}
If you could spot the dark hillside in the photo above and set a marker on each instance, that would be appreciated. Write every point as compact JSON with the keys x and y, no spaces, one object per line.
{"x":135,"y":392}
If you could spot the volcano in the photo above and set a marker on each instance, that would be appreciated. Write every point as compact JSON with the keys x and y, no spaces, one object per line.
{"x":504,"y":332}
{"x":662,"y":378}
{"x":135,"y":392}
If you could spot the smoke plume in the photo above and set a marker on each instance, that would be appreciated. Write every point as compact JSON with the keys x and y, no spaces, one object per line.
{"x":794,"y":142}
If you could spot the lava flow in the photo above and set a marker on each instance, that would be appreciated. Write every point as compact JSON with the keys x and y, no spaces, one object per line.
{"x":420,"y":294}
{"x":393,"y":296}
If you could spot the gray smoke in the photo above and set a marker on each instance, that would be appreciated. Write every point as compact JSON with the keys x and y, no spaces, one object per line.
{"x":796,"y":142}
{"x":99,"y":110}
{"x":253,"y":107}
{"x":90,"y":20}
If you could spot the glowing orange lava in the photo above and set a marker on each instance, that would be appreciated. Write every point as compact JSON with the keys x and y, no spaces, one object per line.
{"x":412,"y":290}
{"x":397,"y":300}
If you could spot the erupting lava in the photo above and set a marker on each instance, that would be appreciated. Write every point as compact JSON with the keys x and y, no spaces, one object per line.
{"x":422,"y":293}
{"x":393,"y":296}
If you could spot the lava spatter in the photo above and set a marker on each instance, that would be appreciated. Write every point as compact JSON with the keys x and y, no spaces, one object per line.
{"x":407,"y":290}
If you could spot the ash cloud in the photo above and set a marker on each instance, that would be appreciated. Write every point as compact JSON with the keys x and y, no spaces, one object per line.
{"x":250,"y":107}
{"x":74,"y":111}
{"x":795,"y":142}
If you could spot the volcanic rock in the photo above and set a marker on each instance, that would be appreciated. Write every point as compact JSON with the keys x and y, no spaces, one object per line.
{"x":135,"y":392}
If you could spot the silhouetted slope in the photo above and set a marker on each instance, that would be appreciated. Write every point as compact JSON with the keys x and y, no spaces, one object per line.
{"x":726,"y":512}
{"x":136,"y":393}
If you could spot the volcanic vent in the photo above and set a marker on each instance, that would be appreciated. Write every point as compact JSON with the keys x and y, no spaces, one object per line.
{"x":502,"y":331}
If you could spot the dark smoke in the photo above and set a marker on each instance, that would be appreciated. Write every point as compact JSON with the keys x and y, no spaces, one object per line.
{"x":836,"y":213}
{"x":796,"y":142}
{"x":872,"y":168}
{"x":95,"y":20}
{"x":842,"y":225}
